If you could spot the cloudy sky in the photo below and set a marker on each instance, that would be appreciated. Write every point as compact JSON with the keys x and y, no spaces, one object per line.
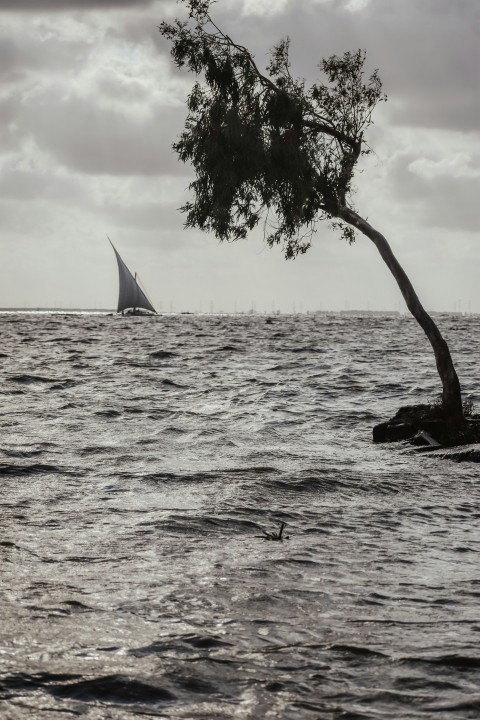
{"x":90,"y":105}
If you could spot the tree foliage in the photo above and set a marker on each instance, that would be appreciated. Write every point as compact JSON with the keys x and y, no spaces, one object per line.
{"x":264,"y":146}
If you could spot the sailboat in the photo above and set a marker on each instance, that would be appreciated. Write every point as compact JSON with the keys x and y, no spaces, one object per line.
{"x":132,"y":300}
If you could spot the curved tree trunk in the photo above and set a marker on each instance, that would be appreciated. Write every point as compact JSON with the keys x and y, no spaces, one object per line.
{"x":452,"y":397}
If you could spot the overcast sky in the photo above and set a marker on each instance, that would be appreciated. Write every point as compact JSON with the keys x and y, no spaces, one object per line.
{"x":90,"y":105}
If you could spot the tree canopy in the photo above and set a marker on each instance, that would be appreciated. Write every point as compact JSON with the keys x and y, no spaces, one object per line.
{"x":264,"y":146}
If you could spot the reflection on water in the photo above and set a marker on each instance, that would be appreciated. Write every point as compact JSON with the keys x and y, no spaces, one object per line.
{"x":142,"y":460}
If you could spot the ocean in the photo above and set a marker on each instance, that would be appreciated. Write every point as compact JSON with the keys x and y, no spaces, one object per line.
{"x":144,"y":460}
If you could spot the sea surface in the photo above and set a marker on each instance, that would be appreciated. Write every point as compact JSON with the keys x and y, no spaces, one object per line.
{"x":143,"y":461}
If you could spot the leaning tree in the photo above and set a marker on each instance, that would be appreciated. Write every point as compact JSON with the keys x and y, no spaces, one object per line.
{"x":267,"y":149}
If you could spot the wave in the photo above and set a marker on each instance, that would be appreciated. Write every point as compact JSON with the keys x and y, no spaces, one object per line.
{"x":106,"y":688}
{"x":163,"y":354}
{"x":31,"y":379}
{"x":34,"y":469}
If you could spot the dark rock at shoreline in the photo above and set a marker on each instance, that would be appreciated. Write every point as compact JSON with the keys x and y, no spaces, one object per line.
{"x":424,"y":425}
{"x":472,"y":455}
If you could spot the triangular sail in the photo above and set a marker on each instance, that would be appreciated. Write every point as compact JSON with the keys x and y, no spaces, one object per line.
{"x":130,"y":294}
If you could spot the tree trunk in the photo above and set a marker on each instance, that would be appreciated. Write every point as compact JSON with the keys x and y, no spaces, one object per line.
{"x":451,"y":396}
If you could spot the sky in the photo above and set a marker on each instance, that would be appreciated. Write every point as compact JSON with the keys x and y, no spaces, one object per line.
{"x":90,"y":104}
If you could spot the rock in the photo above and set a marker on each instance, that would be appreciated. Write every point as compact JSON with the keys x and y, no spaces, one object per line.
{"x":392,"y":432}
{"x":467,"y":456}
{"x":425,"y":424}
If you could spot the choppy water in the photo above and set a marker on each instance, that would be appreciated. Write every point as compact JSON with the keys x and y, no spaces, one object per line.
{"x":142,"y":459}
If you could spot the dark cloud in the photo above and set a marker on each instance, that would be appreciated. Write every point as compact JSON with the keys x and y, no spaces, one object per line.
{"x":39,"y":5}
{"x":20,"y":58}
{"x":95,"y":140}
{"x":431,"y":58}
{"x":8,"y":109}
{"x":427,"y":52}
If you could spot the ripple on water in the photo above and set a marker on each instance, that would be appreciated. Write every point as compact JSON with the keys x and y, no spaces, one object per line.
{"x":143,"y":466}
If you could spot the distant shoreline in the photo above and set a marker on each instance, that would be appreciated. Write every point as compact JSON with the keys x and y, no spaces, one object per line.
{"x":104,"y":311}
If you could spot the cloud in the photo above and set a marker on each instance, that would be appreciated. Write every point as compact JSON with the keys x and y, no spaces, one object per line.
{"x":144,"y":203}
{"x":457,"y":165}
{"x":427,"y":53}
{"x":9,"y":133}
{"x":33,"y":184}
{"x":94,"y":101}
{"x":441,"y":192}
{"x":22,"y":57}
{"x":49,"y":5}
{"x":85,"y":137}
{"x":145,"y":215}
